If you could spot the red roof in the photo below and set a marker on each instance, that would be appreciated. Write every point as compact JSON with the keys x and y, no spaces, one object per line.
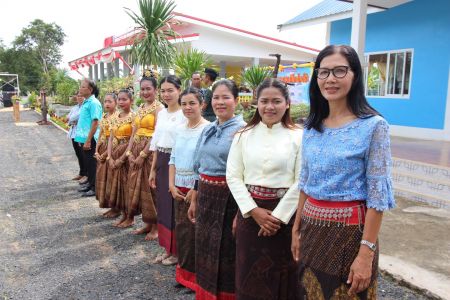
{"x":244,"y":31}
{"x":128,"y":38}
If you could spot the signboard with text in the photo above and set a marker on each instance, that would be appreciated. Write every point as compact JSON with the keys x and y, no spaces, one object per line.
{"x":298,"y":78}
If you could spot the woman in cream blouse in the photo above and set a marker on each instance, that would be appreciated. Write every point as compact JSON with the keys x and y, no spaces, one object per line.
{"x":262,"y":173}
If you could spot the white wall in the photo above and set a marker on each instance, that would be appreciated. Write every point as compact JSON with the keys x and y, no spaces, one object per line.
{"x":217,"y":42}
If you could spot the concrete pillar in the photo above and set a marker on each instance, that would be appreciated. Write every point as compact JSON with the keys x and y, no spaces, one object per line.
{"x":359,"y":18}
{"x":126,"y":71}
{"x":116,"y":68}
{"x":137,"y":76}
{"x":96,"y":72}
{"x":222,"y":73}
{"x":90,"y":72}
{"x":102,"y":71}
{"x":255,"y":61}
{"x":109,"y":70}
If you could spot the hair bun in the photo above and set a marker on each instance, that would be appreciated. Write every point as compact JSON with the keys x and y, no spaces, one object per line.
{"x":150,"y":74}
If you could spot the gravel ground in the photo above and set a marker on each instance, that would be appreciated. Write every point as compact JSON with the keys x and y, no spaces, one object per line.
{"x":56,"y":245}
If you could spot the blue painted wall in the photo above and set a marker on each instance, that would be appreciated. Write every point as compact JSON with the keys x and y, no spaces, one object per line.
{"x":423,"y":26}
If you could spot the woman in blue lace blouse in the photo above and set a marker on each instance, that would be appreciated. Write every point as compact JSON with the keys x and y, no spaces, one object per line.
{"x":345,"y":183}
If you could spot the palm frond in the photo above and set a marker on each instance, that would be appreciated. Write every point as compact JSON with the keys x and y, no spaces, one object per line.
{"x":189,"y":61}
{"x":254,"y":75}
{"x":153,"y":46}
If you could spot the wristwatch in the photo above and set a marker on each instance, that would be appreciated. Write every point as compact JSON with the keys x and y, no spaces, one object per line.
{"x":371,"y":246}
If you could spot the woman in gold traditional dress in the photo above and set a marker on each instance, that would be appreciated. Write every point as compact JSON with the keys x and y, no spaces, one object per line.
{"x":101,"y":152}
{"x":121,"y":130}
{"x":141,"y":195}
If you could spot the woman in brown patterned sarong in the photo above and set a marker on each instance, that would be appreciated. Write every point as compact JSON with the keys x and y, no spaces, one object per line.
{"x":121,"y":129}
{"x":141,"y":195}
{"x":264,"y":184}
{"x":181,"y":183}
{"x":101,"y":152}
{"x":215,"y":209}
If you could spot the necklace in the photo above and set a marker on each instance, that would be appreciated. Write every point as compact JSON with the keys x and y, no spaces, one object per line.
{"x":195,"y":126}
{"x":146,"y":109}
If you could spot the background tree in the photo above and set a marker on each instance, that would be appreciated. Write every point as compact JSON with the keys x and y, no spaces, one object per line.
{"x":63,"y":85}
{"x":22,"y":62}
{"x":34,"y":56}
{"x":44,"y":40}
{"x":189,"y":61}
{"x":151,"y":46}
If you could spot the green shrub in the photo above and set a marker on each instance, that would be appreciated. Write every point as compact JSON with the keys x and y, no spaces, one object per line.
{"x":298,"y":112}
{"x":66,"y":89}
{"x":32,"y":99}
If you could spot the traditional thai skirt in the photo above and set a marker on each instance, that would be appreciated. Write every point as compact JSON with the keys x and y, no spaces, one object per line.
{"x":330,"y":238}
{"x":117,"y":188}
{"x":141,"y":196}
{"x":101,"y":176}
{"x":185,"y":236}
{"x":215,"y":248}
{"x":265,"y":268}
{"x":164,"y":203}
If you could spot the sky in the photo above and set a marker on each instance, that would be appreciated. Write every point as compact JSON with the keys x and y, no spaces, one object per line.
{"x":88,"y":22}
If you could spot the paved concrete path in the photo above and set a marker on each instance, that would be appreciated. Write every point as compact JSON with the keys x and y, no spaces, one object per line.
{"x":55,"y":245}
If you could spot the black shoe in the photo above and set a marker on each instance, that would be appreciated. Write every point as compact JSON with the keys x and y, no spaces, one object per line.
{"x":89,"y":193}
{"x":84,"y":185}
{"x":84,"y":189}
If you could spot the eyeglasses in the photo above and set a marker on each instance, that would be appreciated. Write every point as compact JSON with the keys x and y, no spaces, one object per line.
{"x":338,"y":72}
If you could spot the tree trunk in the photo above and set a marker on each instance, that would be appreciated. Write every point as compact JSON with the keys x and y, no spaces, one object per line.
{"x":277,"y":65}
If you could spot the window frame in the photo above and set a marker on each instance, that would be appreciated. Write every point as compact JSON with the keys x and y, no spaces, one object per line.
{"x":388,"y":53}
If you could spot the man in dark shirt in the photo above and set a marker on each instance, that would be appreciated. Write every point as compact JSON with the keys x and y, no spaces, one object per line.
{"x":196,"y":80}
{"x":208,"y":79}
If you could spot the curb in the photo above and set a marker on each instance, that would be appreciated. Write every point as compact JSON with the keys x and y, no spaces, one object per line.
{"x":54,"y":124}
{"x":427,"y":283}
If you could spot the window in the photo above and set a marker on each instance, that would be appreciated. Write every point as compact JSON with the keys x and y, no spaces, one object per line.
{"x":389,"y":74}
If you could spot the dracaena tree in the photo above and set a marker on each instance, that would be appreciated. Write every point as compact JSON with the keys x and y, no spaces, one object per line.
{"x":151,"y":46}
{"x":253,"y":77}
{"x":189,"y":61}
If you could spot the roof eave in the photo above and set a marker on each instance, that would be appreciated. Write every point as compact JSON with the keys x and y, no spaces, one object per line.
{"x":324,"y":19}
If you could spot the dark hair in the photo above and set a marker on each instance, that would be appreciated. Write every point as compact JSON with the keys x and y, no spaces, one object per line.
{"x":93,"y":86}
{"x":151,"y":79}
{"x":113,"y":95}
{"x":211,"y":73}
{"x":194,"y":91}
{"x":128,"y":92}
{"x":357,"y":102}
{"x":286,"y":120}
{"x":230,"y":84}
{"x":171,"y":79}
{"x":195,"y":73}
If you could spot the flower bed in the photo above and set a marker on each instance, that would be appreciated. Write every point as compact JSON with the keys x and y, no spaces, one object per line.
{"x":60,"y":121}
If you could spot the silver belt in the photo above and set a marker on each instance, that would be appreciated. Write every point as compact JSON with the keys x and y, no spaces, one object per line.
{"x":164,"y":150}
{"x":265,"y":192}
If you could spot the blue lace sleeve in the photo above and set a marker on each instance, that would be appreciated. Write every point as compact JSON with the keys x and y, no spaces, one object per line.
{"x":304,"y":169}
{"x":378,"y":169}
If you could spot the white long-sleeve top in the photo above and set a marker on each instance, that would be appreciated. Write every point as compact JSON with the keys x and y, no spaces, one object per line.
{"x":165,"y":131}
{"x":267,"y":157}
